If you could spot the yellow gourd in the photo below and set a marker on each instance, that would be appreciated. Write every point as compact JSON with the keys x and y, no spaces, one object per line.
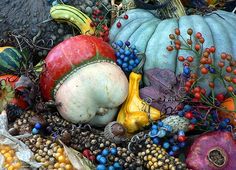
{"x":136,"y":113}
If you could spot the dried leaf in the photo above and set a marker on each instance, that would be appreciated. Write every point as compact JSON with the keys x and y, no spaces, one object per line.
{"x":165,"y":88}
{"x":78,"y":161}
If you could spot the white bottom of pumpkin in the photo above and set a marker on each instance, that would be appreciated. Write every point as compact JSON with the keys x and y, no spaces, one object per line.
{"x":98,"y":87}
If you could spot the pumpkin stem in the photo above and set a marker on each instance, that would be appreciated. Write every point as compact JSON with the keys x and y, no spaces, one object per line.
{"x":174,"y":9}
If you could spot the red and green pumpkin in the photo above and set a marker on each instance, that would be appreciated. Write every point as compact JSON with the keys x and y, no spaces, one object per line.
{"x":11,"y":60}
{"x":151,"y":35}
{"x":80,"y":74}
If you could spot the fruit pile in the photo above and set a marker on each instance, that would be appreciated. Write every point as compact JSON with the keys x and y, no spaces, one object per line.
{"x":127,"y":55}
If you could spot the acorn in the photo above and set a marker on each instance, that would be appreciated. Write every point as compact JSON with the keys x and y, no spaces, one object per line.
{"x":115,"y":132}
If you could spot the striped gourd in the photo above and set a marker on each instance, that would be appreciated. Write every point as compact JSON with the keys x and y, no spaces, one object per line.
{"x":11,"y":60}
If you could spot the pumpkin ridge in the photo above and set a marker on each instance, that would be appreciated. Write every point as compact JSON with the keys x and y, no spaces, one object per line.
{"x":149,"y":41}
{"x":122,"y":31}
{"x":223,"y":23}
{"x":134,"y":31}
{"x":138,"y":37}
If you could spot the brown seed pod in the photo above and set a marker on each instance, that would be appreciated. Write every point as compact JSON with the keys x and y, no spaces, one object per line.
{"x":115,"y":132}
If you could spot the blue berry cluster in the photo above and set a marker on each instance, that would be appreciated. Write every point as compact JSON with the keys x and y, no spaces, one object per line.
{"x":127,"y":55}
{"x":159,"y":135}
{"x":36,"y":128}
{"x":102,"y":158}
{"x":188,"y":113}
{"x":204,"y":121}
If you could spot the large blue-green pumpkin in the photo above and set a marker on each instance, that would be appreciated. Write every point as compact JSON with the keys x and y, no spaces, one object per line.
{"x":151,"y":35}
{"x":11,"y":60}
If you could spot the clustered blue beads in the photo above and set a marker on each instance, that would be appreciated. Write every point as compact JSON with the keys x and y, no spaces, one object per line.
{"x":127,"y":55}
{"x":102,"y":158}
{"x":36,"y":128}
{"x":159,"y":134}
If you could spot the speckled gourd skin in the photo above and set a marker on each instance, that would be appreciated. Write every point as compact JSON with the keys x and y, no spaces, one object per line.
{"x":97,"y":87}
{"x":151,"y":35}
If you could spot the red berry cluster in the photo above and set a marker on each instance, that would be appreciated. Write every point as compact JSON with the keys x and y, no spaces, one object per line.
{"x":99,"y":21}
{"x":196,"y":91}
{"x":206,"y":65}
{"x":119,"y":23}
{"x":88,"y":154}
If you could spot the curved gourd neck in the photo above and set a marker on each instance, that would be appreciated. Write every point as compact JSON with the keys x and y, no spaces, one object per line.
{"x":174,"y":9}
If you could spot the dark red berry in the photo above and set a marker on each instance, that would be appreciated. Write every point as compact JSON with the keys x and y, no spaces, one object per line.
{"x":188,"y":115}
{"x":118,"y":24}
{"x":126,"y":16}
{"x":181,"y":138}
{"x":220,"y":97}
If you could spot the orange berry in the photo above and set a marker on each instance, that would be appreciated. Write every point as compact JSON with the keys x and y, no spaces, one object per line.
{"x":232,"y":63}
{"x":190,"y":31}
{"x":230,"y":88}
{"x":203,"y":61}
{"x":229,"y":57}
{"x":177,"y":42}
{"x":172,"y":36}
{"x":198,"y":35}
{"x":203,"y":91}
{"x":234,"y":71}
{"x":197,"y":89}
{"x":190,"y":42}
{"x":188,"y":84}
{"x":177,"y":31}
{"x":187,"y":89}
{"x":170,"y":48}
{"x":209,"y":61}
{"x":212,"y":49}
{"x":223,"y":56}
{"x":197,"y":95}
{"x":221,"y":64}
{"x":206,"y":54}
{"x":177,"y":46}
{"x":190,"y":59}
{"x":181,"y":58}
{"x":229,"y":69}
{"x":207,"y":50}
{"x":234,"y":80}
{"x":201,"y":40}
{"x":211,"y":85}
{"x":193,"y":75}
{"x":204,"y":70}
{"x":197,"y":47}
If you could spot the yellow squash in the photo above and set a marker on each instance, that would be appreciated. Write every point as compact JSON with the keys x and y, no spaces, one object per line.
{"x":136,"y":113}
